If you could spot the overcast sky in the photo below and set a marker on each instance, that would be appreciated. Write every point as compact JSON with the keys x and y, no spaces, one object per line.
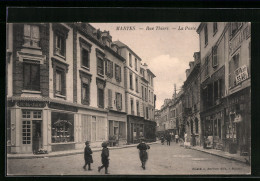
{"x":167,"y":50}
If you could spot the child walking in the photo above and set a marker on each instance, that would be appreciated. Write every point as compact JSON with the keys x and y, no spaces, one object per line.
{"x":88,"y":156}
{"x":104,"y":158}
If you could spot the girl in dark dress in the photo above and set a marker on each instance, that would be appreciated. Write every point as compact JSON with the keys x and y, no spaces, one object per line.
{"x":142,"y":152}
{"x":87,"y":156}
{"x":104,"y":158}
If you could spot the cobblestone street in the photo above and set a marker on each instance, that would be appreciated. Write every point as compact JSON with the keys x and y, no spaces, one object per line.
{"x":163,"y":160}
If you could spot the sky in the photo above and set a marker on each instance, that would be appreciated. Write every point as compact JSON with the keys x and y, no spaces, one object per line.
{"x":167,"y":48}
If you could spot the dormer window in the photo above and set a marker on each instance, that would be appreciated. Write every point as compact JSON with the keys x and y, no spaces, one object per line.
{"x":31,"y":36}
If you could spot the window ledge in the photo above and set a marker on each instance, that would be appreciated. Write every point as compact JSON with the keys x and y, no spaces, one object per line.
{"x":32,"y":47}
{"x":85,"y":68}
{"x":60,"y":96}
{"x":60,"y":56}
{"x":101,"y":75}
{"x":31,"y":91}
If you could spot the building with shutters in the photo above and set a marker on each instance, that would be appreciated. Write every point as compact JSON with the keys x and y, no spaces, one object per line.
{"x":115,"y":91}
{"x":225,"y":84}
{"x":137,"y":124}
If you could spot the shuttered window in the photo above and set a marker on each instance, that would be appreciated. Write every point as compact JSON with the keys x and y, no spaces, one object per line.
{"x":118,"y":101}
{"x":110,"y":98}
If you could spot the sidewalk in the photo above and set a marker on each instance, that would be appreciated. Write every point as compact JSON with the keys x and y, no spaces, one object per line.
{"x":68,"y":152}
{"x":235,"y":157}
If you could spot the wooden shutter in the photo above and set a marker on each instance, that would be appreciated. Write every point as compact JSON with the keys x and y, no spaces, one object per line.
{"x":120,"y":101}
{"x":110,"y":98}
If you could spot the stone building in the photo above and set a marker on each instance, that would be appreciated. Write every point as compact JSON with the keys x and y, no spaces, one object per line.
{"x":225,"y":84}
{"x":192,"y":99}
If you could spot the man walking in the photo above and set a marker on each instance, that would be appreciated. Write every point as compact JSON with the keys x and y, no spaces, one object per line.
{"x":168,"y":138}
{"x":142,"y":152}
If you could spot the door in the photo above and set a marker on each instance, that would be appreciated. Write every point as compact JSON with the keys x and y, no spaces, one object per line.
{"x":37,"y":135}
{"x":26,"y":136}
{"x":131,"y":133}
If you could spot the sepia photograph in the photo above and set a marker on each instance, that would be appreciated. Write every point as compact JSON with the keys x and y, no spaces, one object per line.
{"x":128,"y":98}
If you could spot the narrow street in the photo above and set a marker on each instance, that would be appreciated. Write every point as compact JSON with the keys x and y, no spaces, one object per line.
{"x":163,"y":160}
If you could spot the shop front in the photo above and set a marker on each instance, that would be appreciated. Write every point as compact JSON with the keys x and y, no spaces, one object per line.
{"x":135,"y":126}
{"x":238,"y":123}
{"x":117,"y":128}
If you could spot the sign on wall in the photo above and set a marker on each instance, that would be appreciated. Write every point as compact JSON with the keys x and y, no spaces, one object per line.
{"x":241,"y":74}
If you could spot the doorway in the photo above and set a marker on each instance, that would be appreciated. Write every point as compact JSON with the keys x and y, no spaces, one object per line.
{"x":37,"y":135}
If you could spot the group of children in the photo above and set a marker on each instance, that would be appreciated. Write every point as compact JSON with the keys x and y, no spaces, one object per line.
{"x":105,"y":155}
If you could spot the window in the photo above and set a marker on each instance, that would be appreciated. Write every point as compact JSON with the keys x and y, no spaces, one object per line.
{"x":215,"y":27}
{"x":85,"y":57}
{"x":196,"y":125}
{"x":206,"y":34}
{"x":135,"y":64}
{"x":131,"y":80}
{"x":234,"y":27}
{"x":147,"y":113}
{"x":132,"y":106}
{"x":137,"y":108}
{"x":60,"y":82}
{"x":214,"y":56}
{"x":31,"y":75}
{"x":100,"y":98}
{"x":206,"y":66}
{"x":26,"y":132}
{"x":118,"y":73}
{"x":109,"y":98}
{"x":60,"y":44}
{"x":31,"y":35}
{"x":191,"y":126}
{"x":94,"y":129}
{"x":233,"y":65}
{"x":142,"y":92}
{"x":145,"y":91}
{"x":85,"y":93}
{"x":100,"y":66}
{"x":109,"y":68}
{"x":119,"y":101}
{"x":130,"y":60}
{"x":136,"y":84}
{"x":149,"y":96}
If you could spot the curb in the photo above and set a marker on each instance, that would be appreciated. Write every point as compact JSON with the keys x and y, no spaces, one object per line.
{"x":222,"y":156}
{"x":11,"y":156}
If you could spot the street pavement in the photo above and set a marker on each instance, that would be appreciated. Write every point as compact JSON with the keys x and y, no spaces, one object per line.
{"x":163,"y":160}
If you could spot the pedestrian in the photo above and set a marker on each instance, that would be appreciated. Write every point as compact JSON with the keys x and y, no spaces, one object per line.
{"x":168,"y":138}
{"x":142,"y":146}
{"x":162,"y":140}
{"x":87,"y":156}
{"x":104,"y":158}
{"x":176,"y":138}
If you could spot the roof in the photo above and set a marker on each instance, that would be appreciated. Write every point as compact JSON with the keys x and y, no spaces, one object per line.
{"x":151,"y":72}
{"x":200,"y":27}
{"x":122,"y":45}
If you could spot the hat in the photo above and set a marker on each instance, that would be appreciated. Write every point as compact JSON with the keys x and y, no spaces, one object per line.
{"x":104,"y":144}
{"x":87,"y":143}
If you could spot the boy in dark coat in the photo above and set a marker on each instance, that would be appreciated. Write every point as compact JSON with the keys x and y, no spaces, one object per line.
{"x":142,"y":152}
{"x":87,"y":156}
{"x":104,"y":158}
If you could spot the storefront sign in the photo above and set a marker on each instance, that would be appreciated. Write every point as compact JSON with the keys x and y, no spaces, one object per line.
{"x":30,"y":104}
{"x":241,"y":74}
{"x":235,"y":43}
{"x":62,"y":107}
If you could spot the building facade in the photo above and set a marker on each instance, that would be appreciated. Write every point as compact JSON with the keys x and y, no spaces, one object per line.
{"x":65,"y":85}
{"x":226,"y":59}
{"x":192,"y":100}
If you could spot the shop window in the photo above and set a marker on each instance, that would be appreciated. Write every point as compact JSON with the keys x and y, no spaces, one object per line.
{"x":31,"y":35}
{"x":86,"y":126}
{"x":26,"y":114}
{"x":118,"y":101}
{"x":215,"y":27}
{"x":141,"y":130}
{"x":8,"y":128}
{"x":62,"y":127}
{"x":118,"y":73}
{"x":93,"y":126}
{"x":37,"y":114}
{"x":122,"y":130}
{"x":100,"y":128}
{"x":130,"y":59}
{"x":26,"y":132}
{"x":109,"y":68}
{"x":100,"y":66}
{"x":206,"y":34}
{"x":31,"y":75}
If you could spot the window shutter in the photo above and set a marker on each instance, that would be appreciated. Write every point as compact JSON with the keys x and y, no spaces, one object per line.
{"x":87,"y":94}
{"x":109,"y":97}
{"x":120,"y":101}
{"x":111,"y":69}
{"x":106,"y":66}
{"x":63,"y":83}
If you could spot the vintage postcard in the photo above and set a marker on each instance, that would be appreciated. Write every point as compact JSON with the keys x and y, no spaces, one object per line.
{"x":155,"y":98}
